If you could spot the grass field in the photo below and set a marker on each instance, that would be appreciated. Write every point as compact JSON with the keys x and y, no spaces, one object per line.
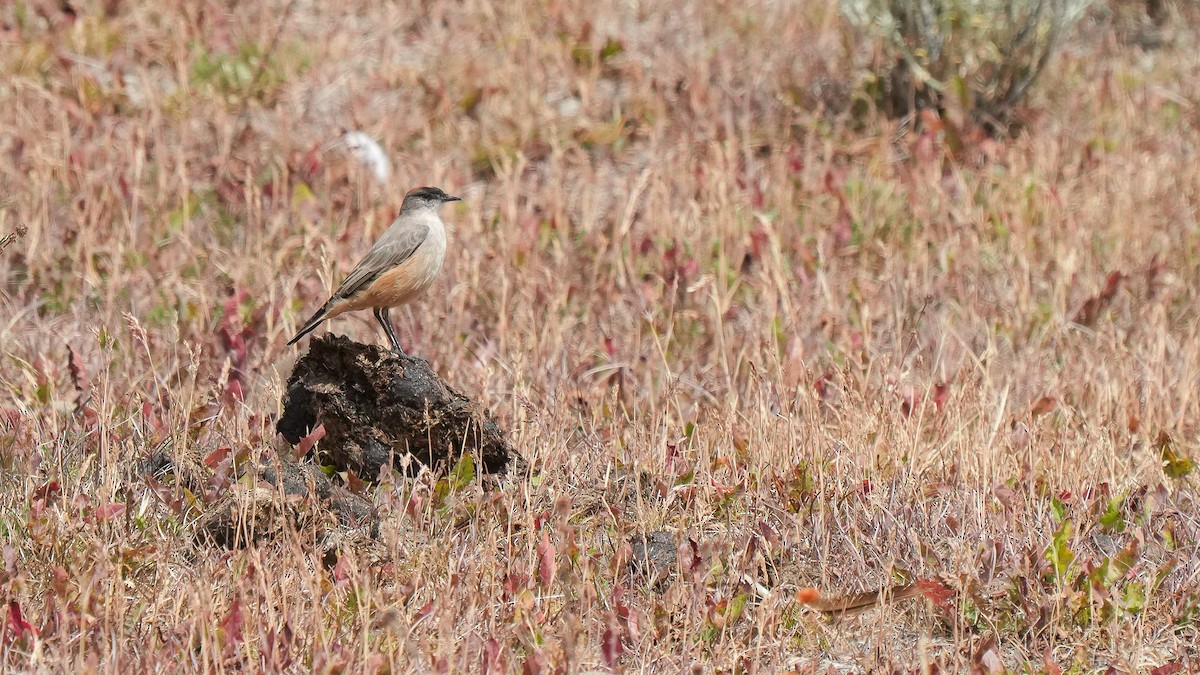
{"x":706,"y":289}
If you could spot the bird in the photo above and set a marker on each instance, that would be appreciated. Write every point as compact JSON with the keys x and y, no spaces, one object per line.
{"x":399,"y":267}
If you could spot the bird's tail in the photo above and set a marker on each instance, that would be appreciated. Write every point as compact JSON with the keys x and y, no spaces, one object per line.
{"x":312,"y":323}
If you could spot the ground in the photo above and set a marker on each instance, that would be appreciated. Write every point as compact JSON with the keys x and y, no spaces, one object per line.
{"x":723,"y":308}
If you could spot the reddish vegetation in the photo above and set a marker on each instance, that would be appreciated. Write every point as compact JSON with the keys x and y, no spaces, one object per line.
{"x":798,"y":387}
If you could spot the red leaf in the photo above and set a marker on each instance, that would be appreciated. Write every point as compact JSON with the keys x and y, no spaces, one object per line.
{"x":1167,"y":669}
{"x":109,"y":511}
{"x":536,"y":664}
{"x":821,"y":384}
{"x":91,"y":418}
{"x":941,"y":595}
{"x":151,"y":419}
{"x":690,"y":268}
{"x":425,"y":611}
{"x":10,"y":560}
{"x":514,"y":583}
{"x":312,"y":160}
{"x":341,"y":571}
{"x":48,"y":491}
{"x":1006,"y":496}
{"x":306,"y":444}
{"x":493,"y":657}
{"x":610,"y":644}
{"x":1042,"y":406}
{"x":632,"y":625}
{"x":758,"y":241}
{"x":215,"y":457}
{"x":1153,"y":272}
{"x":986,"y":659}
{"x":355,"y":484}
{"x":808,"y":596}
{"x":672,"y":455}
{"x":279,"y":647}
{"x":546,"y":564}
{"x":843,"y":230}
{"x":415,"y":505}
{"x":1090,"y":310}
{"x":235,"y":390}
{"x":1048,"y":665}
{"x":1112,"y":283}
{"x":165,"y":494}
{"x":79,"y":378}
{"x":60,"y":581}
{"x":834,"y":183}
{"x":795,"y":159}
{"x":688,"y":554}
{"x":16,"y":620}
{"x":232,"y":624}
{"x":941,"y":394}
{"x":910,"y":400}
{"x":866,"y":487}
{"x":220,"y":478}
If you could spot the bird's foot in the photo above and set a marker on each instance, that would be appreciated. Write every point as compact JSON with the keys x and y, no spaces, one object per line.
{"x":400,"y":353}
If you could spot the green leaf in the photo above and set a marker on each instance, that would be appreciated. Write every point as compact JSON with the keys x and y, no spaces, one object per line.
{"x":1160,"y":575}
{"x":441,"y":490}
{"x":1103,"y":575}
{"x":302,"y":194}
{"x":1175,"y":465}
{"x":1113,"y":519}
{"x":610,"y":49}
{"x":1124,"y":560}
{"x":734,"y":611}
{"x":1058,"y":507}
{"x":1058,"y":553}
{"x":463,"y":473}
{"x":1134,"y":597}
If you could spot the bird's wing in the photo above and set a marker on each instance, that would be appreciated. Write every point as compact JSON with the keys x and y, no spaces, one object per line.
{"x":394,"y":247}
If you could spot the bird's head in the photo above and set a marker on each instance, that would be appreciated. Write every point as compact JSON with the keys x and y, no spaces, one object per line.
{"x":426,"y":198}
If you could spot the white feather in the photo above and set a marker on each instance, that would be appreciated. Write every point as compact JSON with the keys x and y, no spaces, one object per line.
{"x":369,"y":154}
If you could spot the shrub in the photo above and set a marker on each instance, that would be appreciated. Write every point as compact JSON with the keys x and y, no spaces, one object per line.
{"x":981,"y":56}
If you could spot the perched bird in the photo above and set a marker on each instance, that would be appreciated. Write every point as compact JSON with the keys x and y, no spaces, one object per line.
{"x":399,"y":267}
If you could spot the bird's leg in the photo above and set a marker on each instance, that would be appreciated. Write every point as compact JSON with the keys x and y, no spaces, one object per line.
{"x":382,"y":314}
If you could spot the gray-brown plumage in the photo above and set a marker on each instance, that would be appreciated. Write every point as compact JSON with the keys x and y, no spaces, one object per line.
{"x":399,"y":267}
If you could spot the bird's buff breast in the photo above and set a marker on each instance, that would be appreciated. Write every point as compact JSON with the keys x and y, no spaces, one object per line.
{"x":404,"y":282}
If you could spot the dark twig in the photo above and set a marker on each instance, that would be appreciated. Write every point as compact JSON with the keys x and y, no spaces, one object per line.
{"x":12,"y":236}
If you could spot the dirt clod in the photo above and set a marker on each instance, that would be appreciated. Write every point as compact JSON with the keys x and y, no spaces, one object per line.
{"x":378,"y":407}
{"x":654,"y":556}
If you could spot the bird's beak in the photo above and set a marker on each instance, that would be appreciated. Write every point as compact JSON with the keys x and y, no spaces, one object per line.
{"x":450,"y":198}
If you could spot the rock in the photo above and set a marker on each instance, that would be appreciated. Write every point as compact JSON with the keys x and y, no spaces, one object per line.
{"x":285,"y":494}
{"x":378,"y":407}
{"x":654,"y":556}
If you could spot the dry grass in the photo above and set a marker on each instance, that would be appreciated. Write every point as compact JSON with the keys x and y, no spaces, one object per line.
{"x":819,"y":352}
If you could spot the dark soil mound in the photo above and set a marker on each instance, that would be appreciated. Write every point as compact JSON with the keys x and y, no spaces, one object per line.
{"x":377,"y":407}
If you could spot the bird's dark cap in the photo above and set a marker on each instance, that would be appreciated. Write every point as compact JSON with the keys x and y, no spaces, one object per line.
{"x":430,"y":194}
